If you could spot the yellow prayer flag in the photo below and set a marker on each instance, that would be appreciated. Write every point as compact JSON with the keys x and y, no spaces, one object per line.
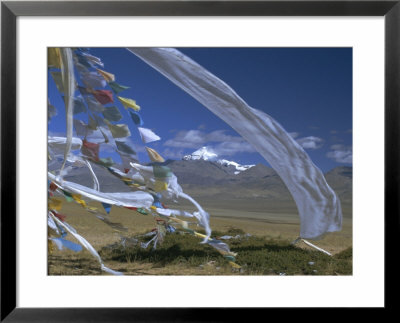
{"x":118,"y":130}
{"x":92,"y":124}
{"x":154,"y":156}
{"x":55,"y":204}
{"x":129,"y":103}
{"x":53,"y":57}
{"x":106,"y":75}
{"x":160,"y":186}
{"x":77,"y":199}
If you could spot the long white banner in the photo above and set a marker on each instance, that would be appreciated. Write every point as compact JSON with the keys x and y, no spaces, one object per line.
{"x":319,"y":207}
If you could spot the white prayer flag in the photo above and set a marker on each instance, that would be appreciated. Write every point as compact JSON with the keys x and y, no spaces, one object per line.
{"x":319,"y":207}
{"x":148,"y":135}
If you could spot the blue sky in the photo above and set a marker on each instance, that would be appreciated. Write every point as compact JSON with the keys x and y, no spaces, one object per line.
{"x":307,"y":90}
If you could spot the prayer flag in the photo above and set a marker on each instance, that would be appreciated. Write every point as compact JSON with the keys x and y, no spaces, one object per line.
{"x":106,"y":75}
{"x":129,"y":103}
{"x":90,"y":150}
{"x":103,"y":96}
{"x":93,"y":80}
{"x":107,"y":207}
{"x":154,"y":156}
{"x":117,"y":87}
{"x":148,"y":135}
{"x":123,"y":147}
{"x":136,"y":118}
{"x":93,"y":104}
{"x":112,"y":113}
{"x":319,"y":207}
{"x":118,"y":130}
{"x":53,"y":57}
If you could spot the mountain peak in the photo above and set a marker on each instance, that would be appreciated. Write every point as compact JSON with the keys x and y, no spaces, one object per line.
{"x":205,"y":153}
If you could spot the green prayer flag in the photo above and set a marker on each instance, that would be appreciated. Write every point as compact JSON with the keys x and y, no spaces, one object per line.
{"x":112,"y":113}
{"x":68,"y":196}
{"x":117,"y":87}
{"x":118,"y":130}
{"x":161,"y":171}
{"x":123,"y":147}
{"x":107,"y":162}
{"x":142,"y":211}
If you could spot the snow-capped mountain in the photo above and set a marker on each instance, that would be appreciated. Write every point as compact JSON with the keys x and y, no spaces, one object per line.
{"x":204,"y":153}
{"x":238,"y":167}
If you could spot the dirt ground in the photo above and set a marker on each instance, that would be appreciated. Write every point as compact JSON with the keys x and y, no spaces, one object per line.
{"x":279,"y":223}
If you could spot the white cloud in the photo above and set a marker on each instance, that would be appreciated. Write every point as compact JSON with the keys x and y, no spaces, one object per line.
{"x":187,"y":139}
{"x":197,"y":138}
{"x":220,"y":142}
{"x":310,"y":142}
{"x":232,"y":148}
{"x":341,"y":154}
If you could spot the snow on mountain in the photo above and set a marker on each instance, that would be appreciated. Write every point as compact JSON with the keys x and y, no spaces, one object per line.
{"x":204,"y":153}
{"x":239,"y":168}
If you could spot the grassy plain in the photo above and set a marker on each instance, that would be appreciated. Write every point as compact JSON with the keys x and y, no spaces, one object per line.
{"x":267,"y":251}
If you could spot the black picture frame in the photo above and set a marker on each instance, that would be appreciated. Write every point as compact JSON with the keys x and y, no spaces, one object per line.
{"x":10,"y":10}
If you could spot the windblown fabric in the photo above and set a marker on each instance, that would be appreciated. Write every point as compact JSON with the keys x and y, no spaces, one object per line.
{"x":106,"y":75}
{"x":154,"y":156}
{"x":117,"y":87}
{"x":319,"y":207}
{"x":57,"y":144}
{"x":53,"y":57}
{"x":103,"y":96}
{"x":136,"y":118}
{"x":93,"y":80}
{"x":118,"y":130}
{"x":148,"y":135}
{"x":68,"y":80}
{"x":112,"y":114}
{"x":94,"y":105}
{"x":129,"y":199}
{"x":129,"y":103}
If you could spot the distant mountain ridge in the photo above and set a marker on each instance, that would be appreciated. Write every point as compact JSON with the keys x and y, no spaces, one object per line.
{"x":210,"y":180}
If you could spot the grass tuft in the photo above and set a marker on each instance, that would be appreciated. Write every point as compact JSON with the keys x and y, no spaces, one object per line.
{"x":256,"y":256}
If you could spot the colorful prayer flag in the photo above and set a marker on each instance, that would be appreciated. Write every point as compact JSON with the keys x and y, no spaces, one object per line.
{"x":148,"y":135}
{"x":93,"y":80}
{"x":106,"y":75}
{"x":103,"y":96}
{"x":118,"y":130}
{"x":117,"y":87}
{"x":154,"y":156}
{"x":90,"y":150}
{"x":123,"y":147}
{"x":129,"y":103}
{"x":107,"y":207}
{"x":53,"y":57}
{"x":112,"y":113}
{"x":136,"y":118}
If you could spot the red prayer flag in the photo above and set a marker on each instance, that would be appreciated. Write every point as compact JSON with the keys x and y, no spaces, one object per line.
{"x":53,"y":186}
{"x":103,"y":96}
{"x":90,"y":150}
{"x":59,"y":216}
